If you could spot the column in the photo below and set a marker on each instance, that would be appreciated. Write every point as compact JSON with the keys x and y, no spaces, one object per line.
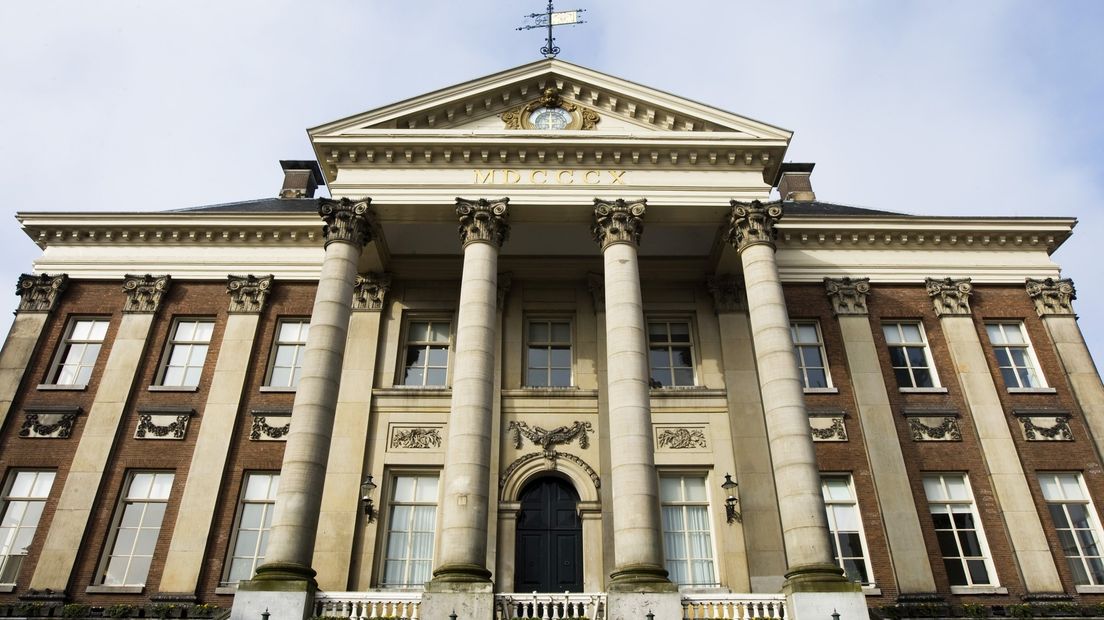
{"x":951,"y":299}
{"x":38,"y":296}
{"x":907,"y":549}
{"x":220,"y":414}
{"x":66,"y":535}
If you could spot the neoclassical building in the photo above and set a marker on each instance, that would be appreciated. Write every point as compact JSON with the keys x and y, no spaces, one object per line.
{"x":557,"y":345}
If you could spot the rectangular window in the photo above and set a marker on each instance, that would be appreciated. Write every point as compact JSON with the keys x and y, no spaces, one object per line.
{"x":79,"y":350}
{"x":1015,"y":358}
{"x":427,"y":353}
{"x":845,"y":527}
{"x":687,"y":539}
{"x":258,"y":499}
{"x":1077,"y":525}
{"x":411,"y":522}
{"x":958,"y":529}
{"x":548,"y":360}
{"x":670,"y":354}
{"x":136,"y":528}
{"x":809,"y":351}
{"x":24,"y":497}
{"x":287,"y":358}
{"x":186,"y":352}
{"x":909,"y":355}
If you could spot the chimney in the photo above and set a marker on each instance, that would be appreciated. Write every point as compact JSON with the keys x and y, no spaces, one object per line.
{"x":794,"y":183}
{"x":301,"y":178}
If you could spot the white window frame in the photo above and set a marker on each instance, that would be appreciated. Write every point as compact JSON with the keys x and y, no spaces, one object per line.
{"x":174,"y":342}
{"x":706,"y":505}
{"x":979,"y":529}
{"x":1035,"y":367}
{"x":125,"y":499}
{"x":68,"y":342}
{"x":389,"y":521}
{"x":833,"y":529}
{"x":407,"y":342}
{"x":548,"y":345}
{"x":34,"y":501}
{"x":300,"y":350}
{"x":1094,"y":527}
{"x":819,"y":344}
{"x":923,"y":344}
{"x":268,"y":506}
{"x":669,"y":345}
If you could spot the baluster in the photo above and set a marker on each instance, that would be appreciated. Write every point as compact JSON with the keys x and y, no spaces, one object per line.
{"x":416,"y":605}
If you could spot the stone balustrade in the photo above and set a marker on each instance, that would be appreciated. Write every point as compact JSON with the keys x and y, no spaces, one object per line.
{"x":550,"y":606}
{"x":368,"y":605}
{"x":733,"y":606}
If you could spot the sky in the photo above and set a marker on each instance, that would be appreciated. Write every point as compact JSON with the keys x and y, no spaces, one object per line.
{"x":934,"y":107}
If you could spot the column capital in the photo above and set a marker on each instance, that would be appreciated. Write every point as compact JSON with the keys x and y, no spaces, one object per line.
{"x":370,"y":290}
{"x":950,"y":296}
{"x":618,"y":221}
{"x":726,"y":293}
{"x":752,"y":223}
{"x":40,"y":293}
{"x":248,"y":293}
{"x":347,"y":220}
{"x":144,"y":293}
{"x":848,"y":295}
{"x":483,"y":220}
{"x":1051,"y":295}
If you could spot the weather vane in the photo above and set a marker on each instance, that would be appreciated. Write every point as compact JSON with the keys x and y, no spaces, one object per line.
{"x":551,"y":18}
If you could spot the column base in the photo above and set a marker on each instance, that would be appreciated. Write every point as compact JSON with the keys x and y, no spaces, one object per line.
{"x":640,"y":578}
{"x":285,"y":571}
{"x":284,"y":586}
{"x":460,"y":578}
{"x":818,"y":578}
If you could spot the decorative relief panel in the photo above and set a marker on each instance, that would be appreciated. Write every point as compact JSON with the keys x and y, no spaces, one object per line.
{"x":1052,"y":296}
{"x":828,"y":426}
{"x":550,"y":464}
{"x":549,"y":439}
{"x":950,"y":296}
{"x":270,"y":424}
{"x":144,"y":293}
{"x":40,"y":293}
{"x":933,"y":424}
{"x":520,"y":117}
{"x":248,"y":293}
{"x":414,"y":438}
{"x":681,"y":438}
{"x":163,"y":423}
{"x":1044,"y":425}
{"x":49,"y":422}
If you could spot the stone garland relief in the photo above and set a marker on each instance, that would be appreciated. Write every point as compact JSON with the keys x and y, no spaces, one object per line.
{"x":49,"y":424}
{"x":162,"y":426}
{"x":934,"y":428}
{"x":263,"y":431}
{"x":415,"y":438}
{"x":827,"y":428}
{"x":549,"y":439}
{"x":1046,"y":428}
{"x":679,"y":438}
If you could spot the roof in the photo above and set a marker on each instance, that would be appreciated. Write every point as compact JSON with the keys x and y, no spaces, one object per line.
{"x":260,"y":205}
{"x":815,"y":207}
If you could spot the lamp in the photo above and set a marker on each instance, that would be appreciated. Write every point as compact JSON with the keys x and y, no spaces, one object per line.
{"x":366,"y":489}
{"x":729,"y":485}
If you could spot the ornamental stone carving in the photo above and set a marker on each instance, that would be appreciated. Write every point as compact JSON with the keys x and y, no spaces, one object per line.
{"x":347,"y":220}
{"x":1034,"y":429}
{"x":929,"y":429}
{"x":950,"y":296}
{"x":483,"y":220}
{"x":49,"y":422}
{"x":549,"y":439}
{"x":752,"y":223}
{"x":263,"y":431}
{"x":248,"y":293}
{"x":581,"y":118}
{"x":726,"y":293}
{"x":682,"y":439}
{"x":618,"y":221}
{"x":828,"y":428}
{"x":370,"y":291}
{"x":144,"y":293}
{"x":1052,"y":296}
{"x":40,"y":293}
{"x":848,"y":295}
{"x":596,"y":284}
{"x":162,"y":425}
{"x":550,"y":463}
{"x":416,"y":438}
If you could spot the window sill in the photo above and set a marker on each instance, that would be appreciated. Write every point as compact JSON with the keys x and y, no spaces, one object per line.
{"x":931,"y":390}
{"x":62,"y":387}
{"x":277,"y":389}
{"x":871,"y":590}
{"x":827,"y":390}
{"x":1090,"y":589}
{"x":115,"y":589}
{"x":1039,"y":390}
{"x":230,"y":590}
{"x":8,"y":587}
{"x":173,"y":388}
{"x":972,"y":590}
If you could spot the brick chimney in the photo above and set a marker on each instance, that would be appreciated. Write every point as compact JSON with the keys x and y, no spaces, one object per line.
{"x":794,"y":183}
{"x":301,"y":178}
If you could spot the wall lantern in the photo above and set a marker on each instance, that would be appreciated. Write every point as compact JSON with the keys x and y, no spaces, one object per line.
{"x":729,"y":486}
{"x":366,"y":489}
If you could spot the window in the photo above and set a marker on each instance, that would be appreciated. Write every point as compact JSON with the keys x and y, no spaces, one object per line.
{"x":548,"y":360}
{"x":79,"y":350}
{"x":687,"y":543}
{"x":908,"y":353}
{"x":186,"y":352}
{"x":958,"y":529}
{"x":24,"y":497}
{"x":845,"y":527}
{"x":1078,"y":529}
{"x":258,"y":499}
{"x":670,"y":354}
{"x":410,"y":526}
{"x":427,"y":353}
{"x":1017,"y":361}
{"x":809,"y":351}
{"x":136,"y":527}
{"x":287,"y":359}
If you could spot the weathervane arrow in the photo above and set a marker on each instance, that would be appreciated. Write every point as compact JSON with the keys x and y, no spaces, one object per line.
{"x":549,"y":19}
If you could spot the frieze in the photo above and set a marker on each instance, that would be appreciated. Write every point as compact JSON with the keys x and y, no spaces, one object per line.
{"x":483,"y":220}
{"x":40,"y":293}
{"x":828,"y":428}
{"x":678,"y":438}
{"x":934,"y":429}
{"x":725,"y":290}
{"x":1051,"y":296}
{"x":550,"y":460}
{"x":370,"y":291}
{"x":144,"y":293}
{"x":1045,"y":428}
{"x":618,"y":221}
{"x":347,"y":220}
{"x":162,"y":426}
{"x":263,"y":431}
{"x":49,"y":422}
{"x":549,"y":439}
{"x":752,"y":223}
{"x":248,"y":293}
{"x":950,"y":297}
{"x":848,"y":295}
{"x":416,"y":438}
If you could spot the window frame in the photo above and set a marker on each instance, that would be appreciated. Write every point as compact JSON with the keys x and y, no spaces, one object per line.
{"x":272,"y":354}
{"x":707,"y":505}
{"x":549,"y":344}
{"x":387,"y":519}
{"x":60,"y":355}
{"x":6,"y":498}
{"x":1036,"y":367}
{"x":404,"y":348}
{"x":924,"y":344}
{"x":829,"y":386}
{"x":834,"y":533}
{"x":108,"y":550}
{"x":268,"y":511}
{"x":668,"y":320}
{"x":170,"y":344}
{"x":979,"y":530}
{"x":1094,"y":527}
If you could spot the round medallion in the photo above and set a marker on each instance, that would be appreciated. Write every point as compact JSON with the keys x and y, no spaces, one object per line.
{"x":550,"y":118}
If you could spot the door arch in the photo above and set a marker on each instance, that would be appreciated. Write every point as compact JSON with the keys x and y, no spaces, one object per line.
{"x":549,"y":538}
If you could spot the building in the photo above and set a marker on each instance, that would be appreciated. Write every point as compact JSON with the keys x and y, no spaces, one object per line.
{"x":630,"y":375}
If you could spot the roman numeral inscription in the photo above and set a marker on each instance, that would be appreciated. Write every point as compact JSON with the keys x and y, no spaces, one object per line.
{"x":542,"y":176}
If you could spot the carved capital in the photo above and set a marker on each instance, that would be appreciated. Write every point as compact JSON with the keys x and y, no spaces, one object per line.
{"x":618,"y":221}
{"x":40,"y":293}
{"x":752,"y":223}
{"x":483,"y":220}
{"x":347,"y":220}
{"x":248,"y":293}
{"x":848,"y":295}
{"x":370,"y":291}
{"x":144,"y":293}
{"x":726,"y":293}
{"x":1052,"y":296}
{"x":950,"y":296}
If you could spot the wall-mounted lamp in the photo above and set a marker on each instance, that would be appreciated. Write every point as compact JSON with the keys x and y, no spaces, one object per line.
{"x":729,"y":486}
{"x":366,"y":489}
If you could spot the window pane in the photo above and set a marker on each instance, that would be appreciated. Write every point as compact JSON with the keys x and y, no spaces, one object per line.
{"x":538,"y":331}
{"x":560,"y":378}
{"x":561,"y":332}
{"x":955,"y":571}
{"x":979,"y":575}
{"x":439,"y":331}
{"x":911,"y":332}
{"x":436,"y":376}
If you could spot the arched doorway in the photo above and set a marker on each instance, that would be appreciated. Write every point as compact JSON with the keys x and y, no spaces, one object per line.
{"x":549,"y":543}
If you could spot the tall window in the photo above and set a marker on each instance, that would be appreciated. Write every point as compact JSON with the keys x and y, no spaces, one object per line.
{"x":548,"y":360}
{"x":81,"y":347}
{"x":136,"y":528}
{"x":809,"y":350}
{"x":670,"y":354}
{"x":186,"y":353}
{"x":845,"y":527}
{"x":254,"y":522}
{"x":687,"y":542}
{"x":908,"y":353}
{"x":1078,"y":529}
{"x":410,"y":526}
{"x":24,"y":497}
{"x":427,"y":353}
{"x":1017,"y":361}
{"x":287,"y":360}
{"x":958,"y":529}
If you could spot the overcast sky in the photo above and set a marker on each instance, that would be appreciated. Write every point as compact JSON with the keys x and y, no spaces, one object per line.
{"x":929,"y":107}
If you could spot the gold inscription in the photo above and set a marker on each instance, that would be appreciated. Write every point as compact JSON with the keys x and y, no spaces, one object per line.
{"x":510,"y":176}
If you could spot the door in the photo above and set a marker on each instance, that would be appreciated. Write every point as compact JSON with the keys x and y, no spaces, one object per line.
{"x":549,"y":538}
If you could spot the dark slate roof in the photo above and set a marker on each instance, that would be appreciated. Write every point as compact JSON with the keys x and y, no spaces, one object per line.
{"x":262,"y":205}
{"x":795,"y":207}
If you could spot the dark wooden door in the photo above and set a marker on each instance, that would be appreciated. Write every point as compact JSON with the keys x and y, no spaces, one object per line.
{"x":549,"y":539}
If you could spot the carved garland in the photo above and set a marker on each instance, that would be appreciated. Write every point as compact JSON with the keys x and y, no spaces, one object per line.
{"x":61,"y":428}
{"x":549,"y":439}
{"x":835,"y":431}
{"x":582,"y":118}
{"x":1060,"y":429}
{"x":416,"y":438}
{"x":682,"y":439}
{"x":262,"y":429}
{"x":176,"y":428}
{"x":948,"y":429}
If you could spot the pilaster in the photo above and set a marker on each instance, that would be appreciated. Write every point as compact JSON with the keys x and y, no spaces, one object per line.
{"x":38,"y":297}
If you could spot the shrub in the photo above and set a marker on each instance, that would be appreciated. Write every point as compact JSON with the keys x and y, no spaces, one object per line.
{"x":119,"y":611}
{"x":76,"y":610}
